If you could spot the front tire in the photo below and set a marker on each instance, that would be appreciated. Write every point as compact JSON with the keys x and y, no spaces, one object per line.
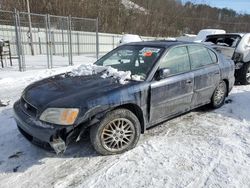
{"x":118,"y":132}
{"x":219,"y":95}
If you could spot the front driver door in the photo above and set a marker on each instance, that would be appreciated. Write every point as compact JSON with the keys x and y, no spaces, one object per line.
{"x":172,"y":95}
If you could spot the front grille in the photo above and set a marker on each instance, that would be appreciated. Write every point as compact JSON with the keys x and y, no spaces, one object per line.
{"x":28,"y":108}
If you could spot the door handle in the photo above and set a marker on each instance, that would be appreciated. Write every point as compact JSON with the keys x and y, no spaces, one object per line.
{"x":217,"y":73}
{"x":188,"y":81}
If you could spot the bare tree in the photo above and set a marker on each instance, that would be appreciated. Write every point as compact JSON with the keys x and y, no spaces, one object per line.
{"x":159,"y":18}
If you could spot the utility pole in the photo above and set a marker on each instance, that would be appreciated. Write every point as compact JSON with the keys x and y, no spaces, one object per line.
{"x":30,"y":28}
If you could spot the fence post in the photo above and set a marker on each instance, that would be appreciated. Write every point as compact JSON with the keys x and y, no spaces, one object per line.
{"x":46,"y":36}
{"x":50,"y":43}
{"x":62,"y":26}
{"x":53,"y":42}
{"x":30,"y":32}
{"x":97,"y":38}
{"x":21,"y":45}
{"x":39,"y":40}
{"x":47,"y":40}
{"x":70,"y":41}
{"x":18,"y":41}
{"x":78,"y":43}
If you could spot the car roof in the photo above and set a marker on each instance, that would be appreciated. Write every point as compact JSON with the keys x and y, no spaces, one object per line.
{"x":160,"y":43}
{"x":228,"y":34}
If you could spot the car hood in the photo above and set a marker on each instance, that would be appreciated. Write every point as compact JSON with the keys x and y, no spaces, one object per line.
{"x":68,"y":91}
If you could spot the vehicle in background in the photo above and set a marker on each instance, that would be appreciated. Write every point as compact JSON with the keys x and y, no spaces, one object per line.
{"x":201,"y":36}
{"x":127,"y":38}
{"x":186,"y":37}
{"x":235,"y":46}
{"x":175,"y":77}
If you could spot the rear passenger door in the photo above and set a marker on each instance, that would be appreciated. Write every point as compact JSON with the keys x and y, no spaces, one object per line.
{"x":204,"y":64}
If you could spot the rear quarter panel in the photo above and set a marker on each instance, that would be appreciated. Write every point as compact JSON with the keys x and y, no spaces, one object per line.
{"x":227,"y":68}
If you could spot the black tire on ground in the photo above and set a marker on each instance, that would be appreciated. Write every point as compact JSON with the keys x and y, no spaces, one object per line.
{"x":118,"y":131}
{"x":219,"y":95}
{"x":245,"y":74}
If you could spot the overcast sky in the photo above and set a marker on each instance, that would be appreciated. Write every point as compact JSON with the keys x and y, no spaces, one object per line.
{"x":241,"y":6}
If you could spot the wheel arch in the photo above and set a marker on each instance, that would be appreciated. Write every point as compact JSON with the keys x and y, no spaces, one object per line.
{"x":135,"y":109}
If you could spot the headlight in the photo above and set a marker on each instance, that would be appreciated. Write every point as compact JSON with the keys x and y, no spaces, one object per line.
{"x":60,"y":116}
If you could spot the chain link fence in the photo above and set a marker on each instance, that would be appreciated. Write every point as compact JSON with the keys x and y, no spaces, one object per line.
{"x":47,"y":41}
{"x":7,"y":31}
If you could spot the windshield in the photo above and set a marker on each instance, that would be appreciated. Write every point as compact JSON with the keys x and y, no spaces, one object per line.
{"x":136,"y":59}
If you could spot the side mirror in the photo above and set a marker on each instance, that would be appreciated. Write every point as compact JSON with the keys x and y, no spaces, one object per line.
{"x":163,"y":73}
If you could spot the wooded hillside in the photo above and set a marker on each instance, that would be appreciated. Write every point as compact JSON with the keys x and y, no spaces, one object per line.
{"x":160,"y":18}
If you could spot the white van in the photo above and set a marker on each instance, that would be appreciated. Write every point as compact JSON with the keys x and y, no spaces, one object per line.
{"x":205,"y":32}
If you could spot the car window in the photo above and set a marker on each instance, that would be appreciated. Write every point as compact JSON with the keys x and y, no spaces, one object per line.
{"x":176,"y":60}
{"x":213,"y":56}
{"x":121,"y":57}
{"x":199,"y":56}
{"x":137,"y":59}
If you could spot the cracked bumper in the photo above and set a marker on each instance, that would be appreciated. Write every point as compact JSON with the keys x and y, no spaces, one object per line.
{"x":44,"y":135}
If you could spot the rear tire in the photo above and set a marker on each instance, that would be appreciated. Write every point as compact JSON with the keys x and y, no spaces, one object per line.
{"x":219,"y":95}
{"x":118,"y":131}
{"x":245,"y":74}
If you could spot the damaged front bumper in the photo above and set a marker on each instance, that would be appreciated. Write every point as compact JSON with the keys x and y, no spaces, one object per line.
{"x":48,"y":136}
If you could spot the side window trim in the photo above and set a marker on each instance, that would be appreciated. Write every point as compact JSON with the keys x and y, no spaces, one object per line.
{"x":204,"y":66}
{"x":209,"y":52}
{"x":190,"y":65}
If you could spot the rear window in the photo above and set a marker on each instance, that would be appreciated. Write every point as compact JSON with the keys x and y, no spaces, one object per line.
{"x":199,"y":56}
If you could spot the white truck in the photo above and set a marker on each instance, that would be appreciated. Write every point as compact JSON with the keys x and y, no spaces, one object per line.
{"x":235,"y":46}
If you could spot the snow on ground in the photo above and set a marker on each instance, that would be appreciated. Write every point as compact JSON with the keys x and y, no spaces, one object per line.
{"x":40,"y":62}
{"x":203,"y":148}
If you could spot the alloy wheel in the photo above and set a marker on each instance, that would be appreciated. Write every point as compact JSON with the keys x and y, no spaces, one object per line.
{"x":118,"y":134}
{"x":220,"y":93}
